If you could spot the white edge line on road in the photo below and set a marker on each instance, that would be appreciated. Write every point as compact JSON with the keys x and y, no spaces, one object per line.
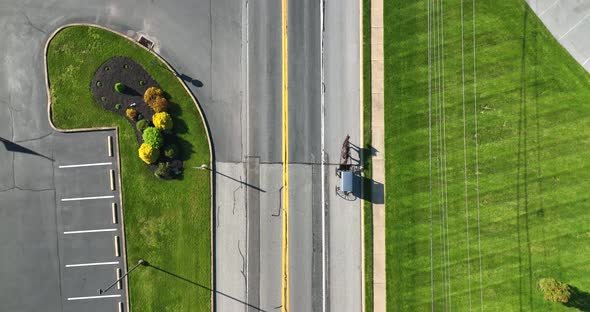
{"x":323,"y":154}
{"x":90,"y":264}
{"x":90,"y":231}
{"x":87,"y":198}
{"x":93,"y":297}
{"x":86,"y":165}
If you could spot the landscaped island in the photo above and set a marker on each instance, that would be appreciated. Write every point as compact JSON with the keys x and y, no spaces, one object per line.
{"x":167,"y":222}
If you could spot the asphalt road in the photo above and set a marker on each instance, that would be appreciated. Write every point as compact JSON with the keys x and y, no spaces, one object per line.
{"x":229,"y":53}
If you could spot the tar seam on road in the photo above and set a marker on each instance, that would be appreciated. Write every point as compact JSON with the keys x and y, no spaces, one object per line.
{"x":285,"y":152}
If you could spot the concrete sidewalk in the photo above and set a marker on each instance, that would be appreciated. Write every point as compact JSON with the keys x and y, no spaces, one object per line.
{"x":569,"y":22}
{"x":377,"y":140}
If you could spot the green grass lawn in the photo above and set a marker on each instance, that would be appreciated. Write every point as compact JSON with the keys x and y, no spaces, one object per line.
{"x":367,"y":206}
{"x":167,"y":222}
{"x":482,"y":241}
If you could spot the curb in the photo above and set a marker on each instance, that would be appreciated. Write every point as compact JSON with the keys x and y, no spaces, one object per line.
{"x":362,"y":144}
{"x":205,"y":125}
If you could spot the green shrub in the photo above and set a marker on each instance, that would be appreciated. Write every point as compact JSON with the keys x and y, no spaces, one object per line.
{"x":163,"y":169}
{"x":119,"y":87}
{"x":554,"y":290}
{"x":171,"y":151}
{"x":118,"y":106}
{"x":142,"y":125}
{"x":142,"y":83}
{"x":153,"y":137}
{"x":99,"y":83}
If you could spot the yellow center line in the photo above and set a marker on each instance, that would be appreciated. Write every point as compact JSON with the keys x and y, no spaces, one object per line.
{"x":285,"y":150}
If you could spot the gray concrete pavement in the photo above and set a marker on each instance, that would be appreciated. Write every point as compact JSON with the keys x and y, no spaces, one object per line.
{"x":569,"y":22}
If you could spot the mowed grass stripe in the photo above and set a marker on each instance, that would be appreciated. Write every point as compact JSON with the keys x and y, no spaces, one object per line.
{"x":529,"y":109}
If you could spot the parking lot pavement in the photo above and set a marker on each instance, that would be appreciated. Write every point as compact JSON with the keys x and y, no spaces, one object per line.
{"x":90,"y":238}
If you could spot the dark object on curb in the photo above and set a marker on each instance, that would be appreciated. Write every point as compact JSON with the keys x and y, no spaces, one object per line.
{"x":146,"y":42}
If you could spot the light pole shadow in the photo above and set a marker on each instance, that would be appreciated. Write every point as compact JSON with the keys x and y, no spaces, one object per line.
{"x":203,"y":286}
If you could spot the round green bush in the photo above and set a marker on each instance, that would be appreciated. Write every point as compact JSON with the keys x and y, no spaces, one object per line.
{"x":119,"y":87}
{"x":163,"y":169}
{"x":118,"y":106}
{"x":142,"y":83}
{"x":153,"y":137}
{"x":99,"y":83}
{"x":171,"y":151}
{"x":142,"y":125}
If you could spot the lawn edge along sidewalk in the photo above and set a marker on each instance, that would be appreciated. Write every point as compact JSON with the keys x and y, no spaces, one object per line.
{"x":205,"y":125}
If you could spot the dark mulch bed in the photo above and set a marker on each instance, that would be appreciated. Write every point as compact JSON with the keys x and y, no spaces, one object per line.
{"x":136,"y":81}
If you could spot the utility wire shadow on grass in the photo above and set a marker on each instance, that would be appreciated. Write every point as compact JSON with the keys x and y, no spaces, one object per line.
{"x":202,"y":286}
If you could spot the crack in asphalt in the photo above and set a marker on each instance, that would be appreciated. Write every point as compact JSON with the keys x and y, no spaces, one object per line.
{"x":26,"y":189}
{"x":34,"y":139}
{"x":234,"y":207}
{"x":243,"y":270}
{"x":28,"y":22}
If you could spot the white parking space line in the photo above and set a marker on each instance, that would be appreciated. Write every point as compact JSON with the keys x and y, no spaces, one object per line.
{"x":90,"y":231}
{"x":90,"y":264}
{"x":86,"y":165}
{"x":120,"y":306}
{"x":94,"y":297}
{"x":87,"y":198}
